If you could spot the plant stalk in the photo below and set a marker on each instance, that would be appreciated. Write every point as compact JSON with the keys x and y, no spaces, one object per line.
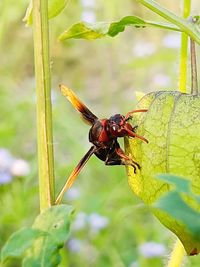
{"x":43,"y":104}
{"x":194,"y":81}
{"x":177,"y":255}
{"x":184,"y":25}
{"x":184,"y":51}
{"x":178,"y":252}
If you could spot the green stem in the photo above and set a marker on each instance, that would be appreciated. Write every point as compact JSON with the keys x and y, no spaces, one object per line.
{"x":178,"y":252}
{"x":177,"y":255}
{"x":184,"y":25}
{"x":194,"y":80}
{"x":43,"y":105}
{"x":184,"y":51}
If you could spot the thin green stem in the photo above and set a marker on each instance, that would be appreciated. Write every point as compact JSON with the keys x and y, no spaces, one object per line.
{"x":178,"y":252}
{"x":177,"y":255}
{"x":194,"y":80}
{"x":184,"y":51}
{"x":184,"y":25}
{"x":43,"y":105}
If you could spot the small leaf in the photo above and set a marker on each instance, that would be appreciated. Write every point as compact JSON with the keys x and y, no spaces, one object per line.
{"x":90,"y":31}
{"x":182,"y":185}
{"x":19,"y":242}
{"x":55,"y":221}
{"x":55,"y":7}
{"x":176,"y":207}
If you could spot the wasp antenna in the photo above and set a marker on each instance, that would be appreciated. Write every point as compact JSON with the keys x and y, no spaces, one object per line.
{"x":129,"y":114}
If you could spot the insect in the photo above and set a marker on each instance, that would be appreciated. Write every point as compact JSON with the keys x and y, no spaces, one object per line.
{"x":103,"y":135}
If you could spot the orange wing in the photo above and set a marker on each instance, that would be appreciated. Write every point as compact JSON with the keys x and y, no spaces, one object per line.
{"x":75,"y":173}
{"x":87,"y":115}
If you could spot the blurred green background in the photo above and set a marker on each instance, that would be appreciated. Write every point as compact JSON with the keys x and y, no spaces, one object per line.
{"x":111,"y":226}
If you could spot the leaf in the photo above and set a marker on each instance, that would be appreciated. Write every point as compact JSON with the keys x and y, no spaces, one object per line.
{"x":172,"y":126}
{"x":174,"y":203}
{"x":43,"y":240}
{"x":90,"y":31}
{"x":55,"y":7}
{"x":184,"y":25}
{"x":45,"y":252}
{"x":19,"y":242}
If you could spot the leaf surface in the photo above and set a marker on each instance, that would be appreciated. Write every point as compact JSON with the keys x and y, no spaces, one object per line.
{"x":172,"y":127}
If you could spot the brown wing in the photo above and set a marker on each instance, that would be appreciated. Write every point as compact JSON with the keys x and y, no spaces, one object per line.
{"x":87,"y":115}
{"x":75,"y":173}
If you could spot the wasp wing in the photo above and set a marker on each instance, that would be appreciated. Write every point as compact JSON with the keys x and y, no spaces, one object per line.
{"x":86,"y":114}
{"x":75,"y":173}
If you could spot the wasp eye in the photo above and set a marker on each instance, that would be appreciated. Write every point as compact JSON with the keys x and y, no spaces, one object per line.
{"x":115,"y":127}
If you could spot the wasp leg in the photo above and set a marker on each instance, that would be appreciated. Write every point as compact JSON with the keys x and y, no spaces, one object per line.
{"x":127,"y":160}
{"x":75,"y":173}
{"x":133,"y":134}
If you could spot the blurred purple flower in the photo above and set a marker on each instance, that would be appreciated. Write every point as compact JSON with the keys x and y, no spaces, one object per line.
{"x":74,"y":245}
{"x":152,"y":250}
{"x":6,"y":161}
{"x":142,"y":49}
{"x":72,"y":194}
{"x":161,"y":80}
{"x":9,"y":167}
{"x":97,"y":222}
{"x":88,"y":16}
{"x":80,"y":221}
{"x":88,"y":3}
{"x":172,"y":40}
{"x":5,"y":177}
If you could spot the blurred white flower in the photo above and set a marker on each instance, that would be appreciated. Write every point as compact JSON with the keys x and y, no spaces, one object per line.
{"x":20,"y":167}
{"x":74,"y":245}
{"x":152,"y":249}
{"x":80,"y":221}
{"x":97,"y":222}
{"x":88,"y":16}
{"x":142,"y":49}
{"x":172,"y":40}
{"x":161,"y":80}
{"x":88,"y":3}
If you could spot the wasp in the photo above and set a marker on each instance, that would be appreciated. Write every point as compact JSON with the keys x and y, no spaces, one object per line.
{"x":103,"y":135}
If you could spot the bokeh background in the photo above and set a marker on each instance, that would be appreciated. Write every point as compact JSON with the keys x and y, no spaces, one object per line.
{"x":111,"y":226}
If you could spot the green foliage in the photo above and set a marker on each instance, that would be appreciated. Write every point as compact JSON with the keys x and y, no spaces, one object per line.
{"x":89,"y":31}
{"x":182,"y":204}
{"x":43,"y":240}
{"x":19,"y":242}
{"x":55,"y":7}
{"x":172,"y":128}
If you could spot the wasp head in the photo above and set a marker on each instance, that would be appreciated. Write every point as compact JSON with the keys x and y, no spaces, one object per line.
{"x":118,"y":126}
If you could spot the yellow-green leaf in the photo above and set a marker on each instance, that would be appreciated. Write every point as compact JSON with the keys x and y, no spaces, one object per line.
{"x":172,"y":127}
{"x":92,"y":31}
